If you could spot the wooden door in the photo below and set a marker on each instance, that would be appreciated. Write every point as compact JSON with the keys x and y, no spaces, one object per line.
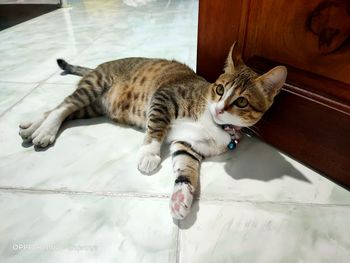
{"x":310,"y":119}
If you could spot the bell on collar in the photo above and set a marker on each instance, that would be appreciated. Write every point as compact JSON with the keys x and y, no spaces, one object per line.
{"x":232,"y":145}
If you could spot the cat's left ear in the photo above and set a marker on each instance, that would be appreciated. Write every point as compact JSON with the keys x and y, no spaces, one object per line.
{"x":234,"y":59}
{"x":273,"y":81}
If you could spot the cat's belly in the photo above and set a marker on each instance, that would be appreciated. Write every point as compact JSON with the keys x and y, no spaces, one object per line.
{"x":126,"y":107}
{"x":203,"y":135}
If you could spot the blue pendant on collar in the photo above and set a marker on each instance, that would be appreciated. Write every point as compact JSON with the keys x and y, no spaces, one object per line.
{"x":231,"y":130}
{"x":232,"y":145}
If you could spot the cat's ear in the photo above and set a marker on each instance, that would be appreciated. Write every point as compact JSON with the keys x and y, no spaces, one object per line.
{"x":234,"y":59}
{"x":273,"y":81}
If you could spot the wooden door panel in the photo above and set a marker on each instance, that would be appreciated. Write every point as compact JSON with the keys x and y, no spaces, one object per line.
{"x":310,"y":35}
{"x":217,"y":33}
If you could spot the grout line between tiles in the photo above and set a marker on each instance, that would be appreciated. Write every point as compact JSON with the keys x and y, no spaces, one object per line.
{"x":20,"y":100}
{"x":156,"y":195}
{"x":78,"y":192}
{"x":178,"y":237}
{"x":19,"y":82}
{"x":30,"y":92}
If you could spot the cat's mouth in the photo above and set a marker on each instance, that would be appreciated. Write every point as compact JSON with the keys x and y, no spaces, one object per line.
{"x":230,"y":127}
{"x":227,"y":127}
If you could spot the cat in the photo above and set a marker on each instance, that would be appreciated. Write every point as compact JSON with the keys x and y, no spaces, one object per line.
{"x":172,"y":104}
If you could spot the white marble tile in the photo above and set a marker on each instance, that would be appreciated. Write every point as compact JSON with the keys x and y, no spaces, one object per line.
{"x":246,"y":232}
{"x":81,"y":228}
{"x":29,"y":50}
{"x":11,"y":93}
{"x":159,"y":29}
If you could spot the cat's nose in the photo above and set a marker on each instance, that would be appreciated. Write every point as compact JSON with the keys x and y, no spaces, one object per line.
{"x":219,"y":111}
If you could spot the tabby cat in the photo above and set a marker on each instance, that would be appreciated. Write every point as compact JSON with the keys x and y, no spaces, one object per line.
{"x":172,"y":104}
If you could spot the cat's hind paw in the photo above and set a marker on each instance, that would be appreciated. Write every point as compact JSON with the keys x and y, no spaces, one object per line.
{"x":42,"y":131}
{"x":27,"y":128}
{"x":181,"y":200}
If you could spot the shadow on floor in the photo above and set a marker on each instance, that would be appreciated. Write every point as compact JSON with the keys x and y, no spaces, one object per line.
{"x":253,"y":160}
{"x":256,"y":160}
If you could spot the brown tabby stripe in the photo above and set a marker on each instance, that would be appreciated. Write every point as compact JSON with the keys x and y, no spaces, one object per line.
{"x":188,"y":146}
{"x":154,"y":129}
{"x":85,"y":94}
{"x":90,"y":111}
{"x":182,"y":179}
{"x":160,"y":109}
{"x":184,"y":152}
{"x":168,"y":96}
{"x":155,"y":118}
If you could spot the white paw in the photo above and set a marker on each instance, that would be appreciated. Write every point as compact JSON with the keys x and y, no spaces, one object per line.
{"x":181,"y":200}
{"x":148,"y":163}
{"x":27,"y":128}
{"x":149,"y":158}
{"x":45,"y":134}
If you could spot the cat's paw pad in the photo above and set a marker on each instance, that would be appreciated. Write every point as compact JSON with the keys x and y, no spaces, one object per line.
{"x":27,"y":128}
{"x":181,"y":200}
{"x":148,"y":163}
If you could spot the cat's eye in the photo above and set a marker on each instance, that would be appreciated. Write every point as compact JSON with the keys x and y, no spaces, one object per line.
{"x":220,"y":89}
{"x":241,"y":102}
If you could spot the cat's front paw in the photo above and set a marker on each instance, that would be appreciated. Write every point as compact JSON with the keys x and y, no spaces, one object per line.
{"x":148,"y":163}
{"x":149,"y":158}
{"x":181,"y":200}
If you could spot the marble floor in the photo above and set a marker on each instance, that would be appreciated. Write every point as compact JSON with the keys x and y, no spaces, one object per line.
{"x":83,"y":200}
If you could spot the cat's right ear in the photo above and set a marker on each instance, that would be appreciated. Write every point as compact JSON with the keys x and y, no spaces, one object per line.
{"x":273,"y":81}
{"x":234,"y":59}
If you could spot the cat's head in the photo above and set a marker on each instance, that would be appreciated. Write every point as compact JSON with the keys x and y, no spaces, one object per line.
{"x":240,"y":97}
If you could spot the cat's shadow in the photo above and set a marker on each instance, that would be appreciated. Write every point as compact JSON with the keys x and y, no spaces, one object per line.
{"x":254,"y":160}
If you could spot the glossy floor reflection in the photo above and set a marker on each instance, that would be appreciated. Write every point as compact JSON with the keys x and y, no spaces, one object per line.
{"x":83,"y":200}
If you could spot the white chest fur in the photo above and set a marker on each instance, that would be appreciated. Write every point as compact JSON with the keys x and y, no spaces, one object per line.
{"x":203,"y":135}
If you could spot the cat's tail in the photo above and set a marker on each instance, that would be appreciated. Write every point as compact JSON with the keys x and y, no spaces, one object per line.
{"x":72,"y":69}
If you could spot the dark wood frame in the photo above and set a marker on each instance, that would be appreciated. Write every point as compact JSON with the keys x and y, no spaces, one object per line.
{"x":307,"y":121}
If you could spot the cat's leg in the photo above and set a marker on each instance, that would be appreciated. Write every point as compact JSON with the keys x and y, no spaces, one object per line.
{"x":27,"y":128}
{"x":186,"y":165}
{"x":43,"y":130}
{"x":163,"y":109}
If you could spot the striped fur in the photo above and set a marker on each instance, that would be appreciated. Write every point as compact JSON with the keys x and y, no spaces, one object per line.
{"x":161,"y":96}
